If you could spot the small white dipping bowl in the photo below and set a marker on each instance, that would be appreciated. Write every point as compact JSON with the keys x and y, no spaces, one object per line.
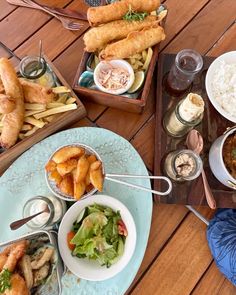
{"x":229,"y":57}
{"x":89,"y":269}
{"x":119,"y":63}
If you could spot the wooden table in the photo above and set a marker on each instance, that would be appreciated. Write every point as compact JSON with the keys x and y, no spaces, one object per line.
{"x":177,"y":260}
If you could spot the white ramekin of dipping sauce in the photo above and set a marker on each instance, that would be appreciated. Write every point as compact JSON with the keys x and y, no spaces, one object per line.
{"x":216,"y":160}
{"x":115,"y":64}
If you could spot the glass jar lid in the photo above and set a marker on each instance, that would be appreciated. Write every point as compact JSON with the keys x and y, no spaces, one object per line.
{"x":33,"y":67}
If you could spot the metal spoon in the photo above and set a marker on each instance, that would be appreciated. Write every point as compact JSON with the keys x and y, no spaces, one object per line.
{"x":194,"y":142}
{"x":18,"y":223}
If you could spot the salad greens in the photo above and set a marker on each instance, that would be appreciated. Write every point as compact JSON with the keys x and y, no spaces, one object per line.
{"x":99,"y":235}
{"x":132,"y":15}
{"x":5,"y":280}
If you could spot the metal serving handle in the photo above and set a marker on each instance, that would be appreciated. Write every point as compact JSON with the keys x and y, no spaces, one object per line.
{"x":112,"y":177}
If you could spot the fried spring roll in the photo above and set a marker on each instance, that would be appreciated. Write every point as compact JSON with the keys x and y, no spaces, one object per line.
{"x":13,"y":121}
{"x":97,"y":38}
{"x":134,"y":43}
{"x":104,"y":14}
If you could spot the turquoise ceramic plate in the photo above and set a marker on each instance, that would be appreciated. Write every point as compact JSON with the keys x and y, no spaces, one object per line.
{"x":25,"y":178}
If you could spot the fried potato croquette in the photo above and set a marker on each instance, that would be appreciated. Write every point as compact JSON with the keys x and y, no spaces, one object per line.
{"x":82,"y":169}
{"x":66,"y":167}
{"x":67,"y":185}
{"x":79,"y":189}
{"x":96,"y":175}
{"x":36,"y":93}
{"x":18,"y":286}
{"x":67,"y":153}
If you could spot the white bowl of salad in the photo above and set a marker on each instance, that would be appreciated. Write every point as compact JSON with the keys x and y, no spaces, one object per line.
{"x":97,"y":238}
{"x":114,"y":77}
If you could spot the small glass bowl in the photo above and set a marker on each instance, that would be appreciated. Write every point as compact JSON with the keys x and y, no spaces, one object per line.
{"x":170,"y":165}
{"x":36,"y":204}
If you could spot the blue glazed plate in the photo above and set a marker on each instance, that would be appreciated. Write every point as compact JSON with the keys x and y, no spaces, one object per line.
{"x":25,"y":179}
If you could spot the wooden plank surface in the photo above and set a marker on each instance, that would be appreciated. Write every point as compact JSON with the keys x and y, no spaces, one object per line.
{"x":177,"y":259}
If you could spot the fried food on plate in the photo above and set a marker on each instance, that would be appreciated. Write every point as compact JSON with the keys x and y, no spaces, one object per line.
{"x":134,"y":43}
{"x":96,"y":175}
{"x":36,"y":93}
{"x":67,"y":153}
{"x":97,"y":38}
{"x":82,"y":169}
{"x":79,"y":189}
{"x":7,"y":104}
{"x":14,"y":253}
{"x":66,"y":167}
{"x":67,"y":185}
{"x":18,"y":286}
{"x":13,"y":121}
{"x":104,"y":14}
{"x":55,"y":176}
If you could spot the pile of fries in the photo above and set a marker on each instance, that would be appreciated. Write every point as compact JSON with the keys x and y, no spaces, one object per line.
{"x":38,"y":115}
{"x":75,"y":171}
{"x":139,"y":61}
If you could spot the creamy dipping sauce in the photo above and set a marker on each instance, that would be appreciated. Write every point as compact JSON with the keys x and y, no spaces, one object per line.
{"x":113,"y":78}
{"x":40,"y":205}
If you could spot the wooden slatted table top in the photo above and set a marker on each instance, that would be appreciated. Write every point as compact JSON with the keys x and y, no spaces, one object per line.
{"x":177,"y":259}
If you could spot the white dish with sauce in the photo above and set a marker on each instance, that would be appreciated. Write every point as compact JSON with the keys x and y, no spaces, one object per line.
{"x":115,"y":76}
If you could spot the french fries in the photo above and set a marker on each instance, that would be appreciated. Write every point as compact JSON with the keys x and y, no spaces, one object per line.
{"x":75,"y":171}
{"x":141,"y":61}
{"x":38,"y":115}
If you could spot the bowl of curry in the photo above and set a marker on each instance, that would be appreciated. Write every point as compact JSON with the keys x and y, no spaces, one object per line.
{"x":222,"y":158}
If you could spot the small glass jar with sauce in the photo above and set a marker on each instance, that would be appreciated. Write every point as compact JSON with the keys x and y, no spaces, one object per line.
{"x":37,"y":70}
{"x":56,"y":206}
{"x":182,"y":165}
{"x":187,"y":64}
{"x":187,"y":114}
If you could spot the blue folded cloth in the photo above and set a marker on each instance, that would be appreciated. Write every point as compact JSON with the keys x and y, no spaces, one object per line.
{"x":221,"y":236}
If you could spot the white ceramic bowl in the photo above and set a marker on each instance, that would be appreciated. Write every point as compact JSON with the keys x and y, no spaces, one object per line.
{"x":89,"y":269}
{"x":229,"y":57}
{"x":216,"y":161}
{"x":115,"y":63}
{"x":52,"y":185}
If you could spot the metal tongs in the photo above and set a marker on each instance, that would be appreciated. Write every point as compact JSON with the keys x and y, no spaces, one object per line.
{"x":112,"y":177}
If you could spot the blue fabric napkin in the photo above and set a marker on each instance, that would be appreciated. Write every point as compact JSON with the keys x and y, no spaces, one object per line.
{"x":221,"y":236}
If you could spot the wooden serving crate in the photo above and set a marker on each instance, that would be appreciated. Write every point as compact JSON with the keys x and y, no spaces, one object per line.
{"x":136,"y":105}
{"x":116,"y":101}
{"x":61,"y":121}
{"x":212,"y":126}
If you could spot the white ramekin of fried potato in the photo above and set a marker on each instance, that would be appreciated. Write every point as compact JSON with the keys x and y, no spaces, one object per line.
{"x":74,"y":172}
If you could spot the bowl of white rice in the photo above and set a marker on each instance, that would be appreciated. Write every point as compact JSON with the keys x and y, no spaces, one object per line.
{"x":221,"y":85}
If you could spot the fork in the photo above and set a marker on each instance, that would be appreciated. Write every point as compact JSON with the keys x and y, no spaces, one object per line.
{"x":67,"y":23}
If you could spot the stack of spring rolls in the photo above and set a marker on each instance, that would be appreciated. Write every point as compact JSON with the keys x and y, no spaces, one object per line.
{"x":116,"y":38}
